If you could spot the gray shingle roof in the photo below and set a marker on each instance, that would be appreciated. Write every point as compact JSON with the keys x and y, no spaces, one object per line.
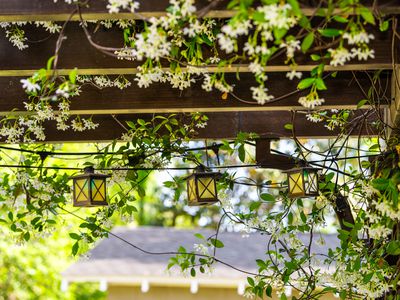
{"x":112,"y":257}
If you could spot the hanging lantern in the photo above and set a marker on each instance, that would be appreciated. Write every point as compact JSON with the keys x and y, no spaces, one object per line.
{"x":89,"y":189}
{"x":202,"y":187}
{"x":302,"y":182}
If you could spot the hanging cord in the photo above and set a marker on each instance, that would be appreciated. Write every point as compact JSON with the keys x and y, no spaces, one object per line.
{"x":160,"y":253}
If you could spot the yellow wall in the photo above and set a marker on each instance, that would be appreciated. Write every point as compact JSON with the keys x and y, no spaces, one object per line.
{"x":177,"y":293}
{"x":171,"y":293}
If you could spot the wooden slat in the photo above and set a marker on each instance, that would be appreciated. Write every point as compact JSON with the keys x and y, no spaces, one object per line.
{"x":220,"y":126}
{"x":32,"y":10}
{"x":89,"y":61}
{"x":393,"y":113}
{"x":343,"y":92}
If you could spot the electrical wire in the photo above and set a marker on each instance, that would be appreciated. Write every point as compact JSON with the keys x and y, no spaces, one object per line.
{"x":125,"y":169}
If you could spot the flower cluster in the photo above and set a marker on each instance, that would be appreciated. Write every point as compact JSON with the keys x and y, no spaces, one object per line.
{"x":311,"y":100}
{"x":16,"y":34}
{"x":114,"y":6}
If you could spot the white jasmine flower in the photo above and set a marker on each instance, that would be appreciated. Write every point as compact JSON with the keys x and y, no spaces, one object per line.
{"x":63,"y":92}
{"x":311,"y":101}
{"x":294,"y":74}
{"x":17,"y":37}
{"x":77,"y":125}
{"x":360,"y":37}
{"x":227,"y":44}
{"x":114,"y":6}
{"x":223,"y":86}
{"x":276,"y":16}
{"x":89,"y":124}
{"x":30,"y":86}
{"x":315,"y":118}
{"x":339,"y":56}
{"x":363,"y":54}
{"x":260,"y":94}
{"x":256,"y":68}
{"x":291,"y":46}
{"x":49,"y":26}
{"x":207,"y":83}
{"x":200,"y":248}
{"x":214,"y":60}
{"x":378,"y":232}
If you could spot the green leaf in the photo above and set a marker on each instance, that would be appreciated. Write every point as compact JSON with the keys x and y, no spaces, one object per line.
{"x":72,"y":75}
{"x":27,"y":236}
{"x":315,"y":57}
{"x":340,"y":19}
{"x":361,"y":103}
{"x":254,"y":205}
{"x":199,"y":236}
{"x":365,"y":164}
{"x":368,"y":277}
{"x":75,"y":236}
{"x":305,"y":83}
{"x":217,"y":243}
{"x":242,"y":153}
{"x":250,"y":281}
{"x":50,"y":61}
{"x":329,"y":32}
{"x":279,"y":33}
{"x":193,"y":272}
{"x":393,"y":248}
{"x":258,"y":16}
{"x":267,"y":197}
{"x":295,"y":7}
{"x":288,"y":126}
{"x":307,"y":42}
{"x":268,"y":291}
{"x":367,"y":15}
{"x":380,"y":184}
{"x":305,"y":22}
{"x":374,"y":147}
{"x":75,"y":248}
{"x":320,"y":84}
{"x":383,"y":26}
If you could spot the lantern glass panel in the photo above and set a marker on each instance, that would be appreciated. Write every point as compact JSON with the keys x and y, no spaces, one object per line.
{"x":206,"y":186}
{"x":296,"y":184}
{"x":81,"y":190}
{"x":311,"y":180}
{"x":192,"y":189}
{"x":98,"y":189}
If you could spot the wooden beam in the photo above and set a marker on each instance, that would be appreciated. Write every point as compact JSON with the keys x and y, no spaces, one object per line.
{"x":343,"y":92}
{"x":39,"y":10}
{"x":393,"y":113}
{"x":89,"y":61}
{"x":220,"y":126}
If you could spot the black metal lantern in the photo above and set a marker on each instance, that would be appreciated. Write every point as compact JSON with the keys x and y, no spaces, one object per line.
{"x":89,"y":189}
{"x":202,"y":187}
{"x":302,"y":182}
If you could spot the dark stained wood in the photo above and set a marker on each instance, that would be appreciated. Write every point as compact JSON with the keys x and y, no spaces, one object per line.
{"x":23,"y":10}
{"x":343,"y":92}
{"x":44,"y":8}
{"x":220,"y":125}
{"x":77,"y":52}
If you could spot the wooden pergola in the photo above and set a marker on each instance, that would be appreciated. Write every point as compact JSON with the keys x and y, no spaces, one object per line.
{"x":227,"y":117}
